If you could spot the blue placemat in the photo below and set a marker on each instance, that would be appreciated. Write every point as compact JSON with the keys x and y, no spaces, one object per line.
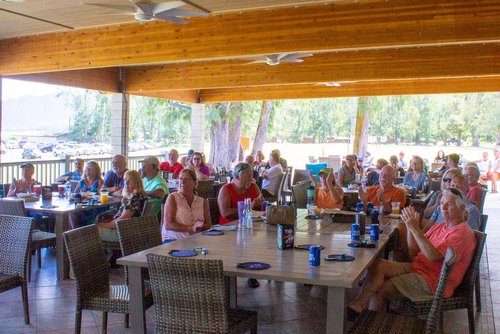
{"x":48,"y":206}
{"x":339,"y":257}
{"x":212,"y":232}
{"x":253,"y":265}
{"x":182,"y":252}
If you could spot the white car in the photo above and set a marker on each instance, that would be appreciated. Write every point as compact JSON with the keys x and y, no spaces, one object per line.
{"x":62,"y":150}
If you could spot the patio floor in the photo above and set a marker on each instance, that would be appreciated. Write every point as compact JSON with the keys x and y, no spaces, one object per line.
{"x":282,"y":307}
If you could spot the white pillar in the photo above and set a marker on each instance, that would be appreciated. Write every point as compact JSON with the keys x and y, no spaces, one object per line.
{"x":119,"y":123}
{"x":198,"y":126}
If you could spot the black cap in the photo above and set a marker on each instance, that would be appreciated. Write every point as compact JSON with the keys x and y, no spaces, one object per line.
{"x":27,"y":165}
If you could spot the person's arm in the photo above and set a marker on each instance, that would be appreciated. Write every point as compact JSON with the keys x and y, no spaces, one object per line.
{"x":224,"y":201}
{"x":341,"y":178}
{"x":363,"y":195}
{"x":13,"y":188}
{"x":429,"y":209}
{"x":384,"y":202}
{"x":337,"y":192}
{"x":256,"y":203}
{"x":419,"y":242}
{"x":157,"y":193}
{"x":66,"y":177}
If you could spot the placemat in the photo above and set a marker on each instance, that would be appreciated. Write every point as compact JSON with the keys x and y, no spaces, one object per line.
{"x":212,"y":232}
{"x":339,"y":257}
{"x":361,"y":245}
{"x":182,"y":252}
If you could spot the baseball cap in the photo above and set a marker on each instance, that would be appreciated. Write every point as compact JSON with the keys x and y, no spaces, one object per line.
{"x":190,"y":152}
{"x":151,"y":160}
{"x":240,"y":168}
{"x":325,"y":171}
{"x":27,"y":165}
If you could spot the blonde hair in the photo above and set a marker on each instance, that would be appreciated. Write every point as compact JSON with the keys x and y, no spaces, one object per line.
{"x":453,"y":172}
{"x":97,"y":168}
{"x":133,"y":175}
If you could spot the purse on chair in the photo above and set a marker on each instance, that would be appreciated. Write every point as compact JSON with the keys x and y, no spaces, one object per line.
{"x":281,"y":214}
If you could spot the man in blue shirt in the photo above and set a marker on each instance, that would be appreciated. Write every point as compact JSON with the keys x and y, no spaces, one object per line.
{"x":75,"y":175}
{"x":113,"y":180}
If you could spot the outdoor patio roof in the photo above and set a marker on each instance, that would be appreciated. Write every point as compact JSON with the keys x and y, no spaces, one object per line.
{"x":364,"y":47}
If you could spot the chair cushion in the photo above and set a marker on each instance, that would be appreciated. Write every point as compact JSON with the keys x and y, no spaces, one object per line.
{"x":370,"y":322}
{"x":9,"y":281}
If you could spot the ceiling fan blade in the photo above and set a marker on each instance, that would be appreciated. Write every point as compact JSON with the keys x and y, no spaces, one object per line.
{"x":123,"y":8}
{"x":185,"y":13}
{"x":174,"y":19}
{"x":291,"y":57}
{"x":164,"y":6}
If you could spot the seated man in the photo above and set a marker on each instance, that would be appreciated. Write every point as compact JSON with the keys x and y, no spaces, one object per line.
{"x":114,"y":178}
{"x":75,"y":175}
{"x":26,"y":183}
{"x":373,"y":175}
{"x":418,"y":278}
{"x":385,"y":192}
{"x":271,"y":178}
{"x":172,"y":165}
{"x":155,"y":186}
{"x":475,"y":191}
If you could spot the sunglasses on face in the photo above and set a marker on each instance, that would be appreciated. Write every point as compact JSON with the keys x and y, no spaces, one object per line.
{"x":447,"y":179}
{"x":456,"y":192}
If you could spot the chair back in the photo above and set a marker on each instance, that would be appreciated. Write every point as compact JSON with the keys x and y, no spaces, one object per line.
{"x":138,"y":234}
{"x":299,"y":193}
{"x":283,"y":182}
{"x":433,"y":322}
{"x":204,"y":188}
{"x":484,"y":222}
{"x":12,"y":207}
{"x":466,"y":287}
{"x":15,"y":238}
{"x":189,"y":295}
{"x":73,"y":183}
{"x":147,"y":208}
{"x":88,"y":260}
{"x":213,"y":208}
{"x":483,"y":198}
{"x":300,"y":175}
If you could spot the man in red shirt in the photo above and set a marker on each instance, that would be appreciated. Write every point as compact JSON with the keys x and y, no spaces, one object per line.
{"x":385,"y":192}
{"x":418,"y":278}
{"x":171,"y":165}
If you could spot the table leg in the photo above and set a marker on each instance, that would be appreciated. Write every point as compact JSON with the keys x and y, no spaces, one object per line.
{"x":62,"y":225}
{"x":136,"y":290}
{"x":335,"y":312}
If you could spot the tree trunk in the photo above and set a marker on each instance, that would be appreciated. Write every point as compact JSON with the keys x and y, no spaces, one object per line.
{"x":234,"y":143}
{"x":218,"y":137}
{"x":260,"y":134}
{"x":362,"y":121}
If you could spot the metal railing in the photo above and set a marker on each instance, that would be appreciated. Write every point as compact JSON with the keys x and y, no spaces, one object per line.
{"x":47,"y":171}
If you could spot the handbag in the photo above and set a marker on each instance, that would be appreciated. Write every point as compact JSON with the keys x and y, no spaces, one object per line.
{"x":281,"y":214}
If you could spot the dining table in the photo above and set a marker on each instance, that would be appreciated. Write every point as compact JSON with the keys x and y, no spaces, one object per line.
{"x":259,"y":244}
{"x":61,"y":208}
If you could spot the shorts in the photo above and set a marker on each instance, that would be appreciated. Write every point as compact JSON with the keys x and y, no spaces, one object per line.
{"x":413,"y":286}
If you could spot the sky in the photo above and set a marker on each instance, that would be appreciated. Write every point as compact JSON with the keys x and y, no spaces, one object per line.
{"x":18,"y":88}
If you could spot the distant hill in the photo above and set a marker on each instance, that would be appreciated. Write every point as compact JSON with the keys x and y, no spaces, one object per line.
{"x":35,"y":113}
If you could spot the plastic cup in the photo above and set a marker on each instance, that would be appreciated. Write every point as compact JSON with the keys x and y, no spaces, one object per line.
{"x":104,"y":197}
{"x":241,"y":207}
{"x":358,"y":177}
{"x":37,"y":189}
{"x":395,"y":207}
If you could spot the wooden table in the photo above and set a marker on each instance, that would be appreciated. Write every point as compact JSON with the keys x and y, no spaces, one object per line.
{"x":61,"y":212}
{"x":259,"y":244}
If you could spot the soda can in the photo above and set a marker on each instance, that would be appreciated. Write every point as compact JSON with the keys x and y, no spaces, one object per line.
{"x":374,"y":232}
{"x":355,"y":232}
{"x":374,"y":216}
{"x":314,"y":256}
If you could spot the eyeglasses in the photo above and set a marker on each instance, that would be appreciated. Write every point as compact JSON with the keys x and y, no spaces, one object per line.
{"x":447,"y":179}
{"x":456,"y":192}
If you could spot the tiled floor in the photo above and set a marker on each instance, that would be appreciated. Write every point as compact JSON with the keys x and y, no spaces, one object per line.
{"x":282,"y":307}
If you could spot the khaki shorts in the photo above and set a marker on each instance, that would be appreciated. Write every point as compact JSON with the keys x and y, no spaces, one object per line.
{"x":413,"y":286}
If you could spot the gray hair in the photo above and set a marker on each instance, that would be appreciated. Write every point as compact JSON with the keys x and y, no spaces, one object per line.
{"x":459,"y":196}
{"x":474,"y":166}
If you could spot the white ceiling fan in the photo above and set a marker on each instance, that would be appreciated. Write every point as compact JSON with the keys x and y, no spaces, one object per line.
{"x":163,"y":11}
{"x":278,"y":58}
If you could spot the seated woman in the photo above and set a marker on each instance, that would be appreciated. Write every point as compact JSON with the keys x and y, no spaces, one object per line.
{"x":327,"y":194}
{"x":185,"y":213}
{"x":440,"y":157}
{"x":436,"y":197}
{"x":197,"y":164}
{"x":347,"y":173}
{"x":133,"y":198}
{"x":393,"y":161}
{"x":416,"y":178}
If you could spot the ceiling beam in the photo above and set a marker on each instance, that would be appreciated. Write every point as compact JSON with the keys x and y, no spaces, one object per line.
{"x":366,"y":88}
{"x":104,"y":79}
{"x":337,"y":26}
{"x":187,"y":96}
{"x":468,"y":60}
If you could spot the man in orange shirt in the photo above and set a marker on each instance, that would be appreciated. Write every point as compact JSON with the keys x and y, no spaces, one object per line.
{"x":385,"y":192}
{"x":418,"y":278}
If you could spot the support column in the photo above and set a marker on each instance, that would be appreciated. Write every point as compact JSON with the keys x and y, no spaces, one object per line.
{"x":198,"y":127}
{"x":361,"y":130}
{"x":119,"y":123}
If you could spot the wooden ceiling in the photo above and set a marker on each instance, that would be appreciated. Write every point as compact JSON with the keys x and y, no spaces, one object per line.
{"x":364,"y":47}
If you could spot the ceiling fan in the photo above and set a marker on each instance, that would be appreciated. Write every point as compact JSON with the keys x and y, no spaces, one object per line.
{"x":163,"y":11}
{"x":278,"y":58}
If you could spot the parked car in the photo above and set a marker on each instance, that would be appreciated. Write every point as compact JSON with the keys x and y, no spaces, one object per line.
{"x":29,"y":153}
{"x":62,"y":150}
{"x":85,"y":149}
{"x":12,"y":144}
{"x":102,"y":148}
{"x":46,"y":147}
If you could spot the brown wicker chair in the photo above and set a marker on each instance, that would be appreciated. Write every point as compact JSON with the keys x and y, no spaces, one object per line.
{"x":190,"y":297}
{"x":91,"y":270}
{"x":15,"y":237}
{"x":213,"y":207}
{"x":371,"y":322}
{"x":39,"y":239}
{"x":463,"y":297}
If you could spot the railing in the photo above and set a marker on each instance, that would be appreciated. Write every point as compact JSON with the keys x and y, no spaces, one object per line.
{"x":47,"y":171}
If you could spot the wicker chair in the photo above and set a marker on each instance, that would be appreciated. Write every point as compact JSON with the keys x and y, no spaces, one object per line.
{"x":213,"y":207}
{"x":463,"y":297}
{"x":91,"y":270}
{"x":482,"y":228}
{"x":371,"y":322}
{"x":39,"y":239}
{"x":204,"y":188}
{"x":15,"y":236}
{"x":190,"y":297}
